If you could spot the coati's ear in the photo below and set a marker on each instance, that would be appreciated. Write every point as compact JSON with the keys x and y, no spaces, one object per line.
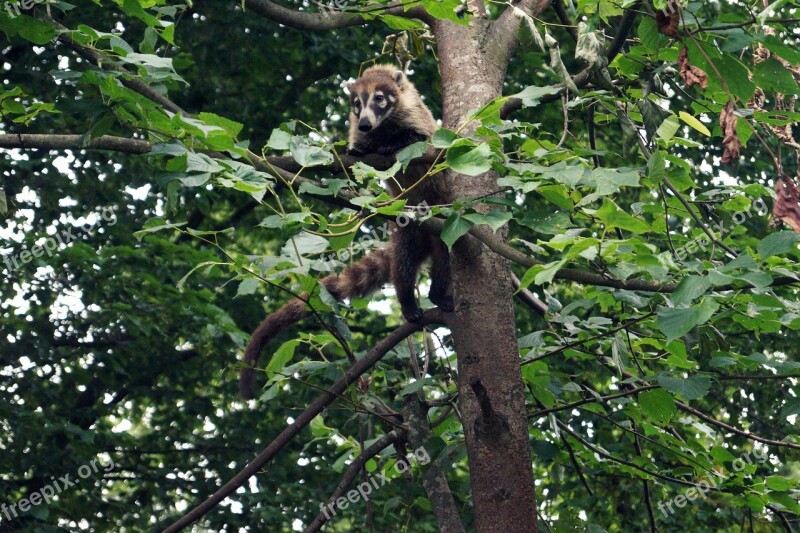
{"x":399,"y":78}
{"x":349,"y":87}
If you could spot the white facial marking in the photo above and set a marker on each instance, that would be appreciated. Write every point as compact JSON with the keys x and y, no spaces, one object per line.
{"x":368,"y":114}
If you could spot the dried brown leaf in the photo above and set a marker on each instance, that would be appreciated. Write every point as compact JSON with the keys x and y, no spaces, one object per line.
{"x":757,"y":101}
{"x":668,"y":20}
{"x":760,"y":54}
{"x":787,"y":203}
{"x":689,"y":74}
{"x":730,"y":141}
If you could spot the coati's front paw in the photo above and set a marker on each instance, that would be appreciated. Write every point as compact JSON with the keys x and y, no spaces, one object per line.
{"x":445,"y":303}
{"x":413,"y":315}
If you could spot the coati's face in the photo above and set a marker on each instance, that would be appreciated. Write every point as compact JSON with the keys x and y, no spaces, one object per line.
{"x":374,"y":98}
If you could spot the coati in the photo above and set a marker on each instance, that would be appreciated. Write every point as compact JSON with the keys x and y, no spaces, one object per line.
{"x":386,"y":115}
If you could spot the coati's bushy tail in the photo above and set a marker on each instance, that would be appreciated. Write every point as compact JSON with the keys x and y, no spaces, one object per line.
{"x":357,"y":280}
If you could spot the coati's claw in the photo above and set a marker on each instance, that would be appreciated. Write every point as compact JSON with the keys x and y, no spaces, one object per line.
{"x":414,"y":315}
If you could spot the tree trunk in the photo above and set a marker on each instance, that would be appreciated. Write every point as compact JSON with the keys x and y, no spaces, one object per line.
{"x":491,"y":393}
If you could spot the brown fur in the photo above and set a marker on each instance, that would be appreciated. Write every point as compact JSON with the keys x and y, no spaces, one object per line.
{"x":398,"y":120}
{"x":359,"y":279}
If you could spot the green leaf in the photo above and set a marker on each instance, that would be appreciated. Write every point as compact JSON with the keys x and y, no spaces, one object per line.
{"x":690,"y":388}
{"x":668,"y":128}
{"x":410,"y":152}
{"x":543,"y":395}
{"x":495,"y":218}
{"x":282,"y":356}
{"x":150,"y":60}
{"x":201,"y":163}
{"x":649,"y":35}
{"x":614,"y":217}
{"x":156,"y":224}
{"x":304,"y":243}
{"x":35,"y":31}
{"x":363,"y":172}
{"x":446,"y":9}
{"x":781,"y":49}
{"x":415,"y":386}
{"x":658,"y":405}
{"x":230,"y":126}
{"x":454,"y":227}
{"x":694,"y":123}
{"x":787,"y":501}
{"x":532,"y":96}
{"x":489,"y":113}
{"x":754,"y":502}
{"x":279,"y":139}
{"x":545,"y":273}
{"x":656,"y":167}
{"x":248,"y":286}
{"x":778,"y":243}
{"x":182,"y":282}
{"x":308,"y":155}
{"x":443,"y":138}
{"x":689,"y":289}
{"x":779,"y":483}
{"x":400,"y":23}
{"x":675,"y":323}
{"x":772,"y":75}
{"x":468,"y":160}
{"x":548,"y":222}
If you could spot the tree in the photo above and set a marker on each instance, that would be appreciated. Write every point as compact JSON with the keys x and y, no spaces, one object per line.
{"x":625,"y":178}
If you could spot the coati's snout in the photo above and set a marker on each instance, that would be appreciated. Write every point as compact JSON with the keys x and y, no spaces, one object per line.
{"x":372,"y":108}
{"x":386,"y":112}
{"x":364,"y":124}
{"x":373,"y":102}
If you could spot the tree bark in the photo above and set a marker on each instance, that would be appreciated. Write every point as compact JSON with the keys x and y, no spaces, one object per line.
{"x":491,"y":393}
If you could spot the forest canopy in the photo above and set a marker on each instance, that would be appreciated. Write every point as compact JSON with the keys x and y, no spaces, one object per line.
{"x":623,"y":234}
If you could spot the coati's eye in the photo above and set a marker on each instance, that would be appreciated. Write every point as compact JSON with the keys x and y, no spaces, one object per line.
{"x":379,"y":98}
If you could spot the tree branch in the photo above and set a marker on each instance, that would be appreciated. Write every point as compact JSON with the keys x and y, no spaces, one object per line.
{"x":100,"y":60}
{"x":623,"y":30}
{"x":28,"y":141}
{"x":530,"y":299}
{"x":433,"y":480}
{"x":570,"y":274}
{"x":563,"y":17}
{"x":502,"y":34}
{"x":326,"y":20}
{"x":352,"y":472}
{"x":726,"y":427}
{"x":573,"y":405}
{"x":135,"y":146}
{"x":433,"y":316}
{"x":583,"y":77}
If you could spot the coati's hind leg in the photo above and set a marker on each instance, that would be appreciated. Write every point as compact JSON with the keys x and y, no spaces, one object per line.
{"x":441,"y":282}
{"x":410,"y":247}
